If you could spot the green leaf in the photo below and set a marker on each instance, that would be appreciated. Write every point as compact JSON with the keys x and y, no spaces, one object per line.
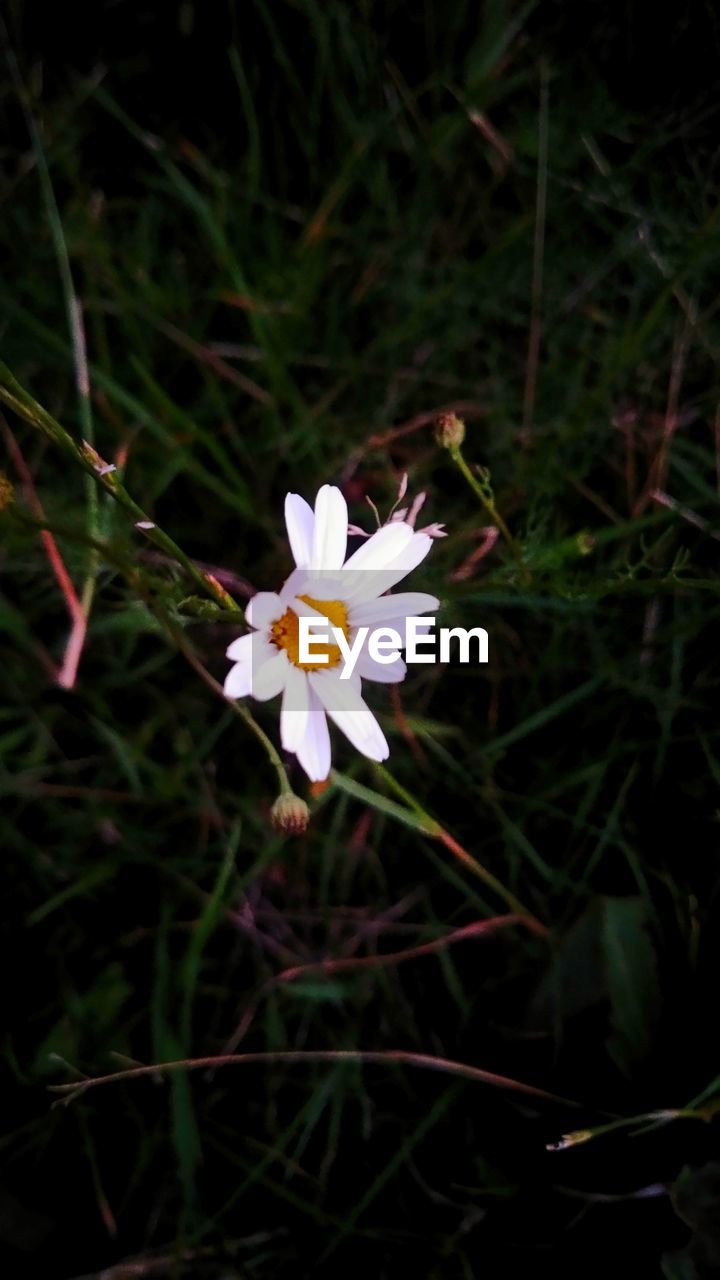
{"x":381,"y":804}
{"x":212,"y":913}
{"x":574,"y":980}
{"x":695,"y":1197}
{"x":631,"y":979}
{"x":607,"y":954}
{"x":186,"y":1136}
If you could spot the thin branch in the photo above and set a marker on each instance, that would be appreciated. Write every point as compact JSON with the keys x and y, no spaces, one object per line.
{"x":14,"y":395}
{"x":479,"y":928}
{"x":388,"y":1057}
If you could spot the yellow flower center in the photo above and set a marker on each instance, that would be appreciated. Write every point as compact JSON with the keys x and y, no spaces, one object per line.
{"x":285,"y":634}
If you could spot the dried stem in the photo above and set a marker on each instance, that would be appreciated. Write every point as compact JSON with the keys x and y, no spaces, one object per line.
{"x":388,"y":1057}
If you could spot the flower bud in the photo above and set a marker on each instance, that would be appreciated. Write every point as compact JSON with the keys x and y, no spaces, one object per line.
{"x":290,"y":814}
{"x":585,"y":543}
{"x":449,"y":431}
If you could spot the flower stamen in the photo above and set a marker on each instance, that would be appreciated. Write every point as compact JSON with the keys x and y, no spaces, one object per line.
{"x":285,"y":634}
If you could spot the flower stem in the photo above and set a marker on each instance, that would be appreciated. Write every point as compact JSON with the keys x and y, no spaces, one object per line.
{"x":487,"y":498}
{"x":238,"y":708}
{"x":382,"y":1057}
{"x":86,"y":457}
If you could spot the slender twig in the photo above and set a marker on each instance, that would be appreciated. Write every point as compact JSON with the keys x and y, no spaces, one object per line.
{"x":211,"y":359}
{"x":387,"y":1057}
{"x":340,"y":964}
{"x":483,"y":490}
{"x":659,"y":465}
{"x":86,"y":457}
{"x":692,"y":517}
{"x":238,"y":708}
{"x":488,"y":538}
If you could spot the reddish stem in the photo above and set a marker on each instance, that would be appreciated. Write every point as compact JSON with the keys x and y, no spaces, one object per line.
{"x":385,"y":1057}
{"x":67,"y":674}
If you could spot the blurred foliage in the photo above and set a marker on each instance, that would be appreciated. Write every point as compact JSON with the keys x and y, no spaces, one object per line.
{"x":299,"y":232}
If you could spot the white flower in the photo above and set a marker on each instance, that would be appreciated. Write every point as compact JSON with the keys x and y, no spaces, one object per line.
{"x":351,"y":595}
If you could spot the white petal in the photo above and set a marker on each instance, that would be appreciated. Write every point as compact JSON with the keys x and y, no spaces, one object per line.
{"x":384,"y":672}
{"x":268,"y":678}
{"x":314,"y":750}
{"x":300,"y":522}
{"x":295,"y":709}
{"x":294,"y":585}
{"x":346,"y":708}
{"x":263,"y":609}
{"x":241,"y":649}
{"x":405,"y":604}
{"x":251,"y":650}
{"x":371,"y":585}
{"x":381,"y":549}
{"x":330,"y":531}
{"x":411,"y":555}
{"x":238,"y":681}
{"x":322,"y":585}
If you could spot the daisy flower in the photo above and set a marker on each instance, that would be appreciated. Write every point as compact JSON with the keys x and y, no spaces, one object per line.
{"x":350,"y":594}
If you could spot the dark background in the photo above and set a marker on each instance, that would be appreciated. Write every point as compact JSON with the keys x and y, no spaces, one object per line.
{"x":389,"y":247}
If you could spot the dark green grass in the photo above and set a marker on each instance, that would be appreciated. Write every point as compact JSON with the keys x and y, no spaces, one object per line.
{"x":289,"y":238}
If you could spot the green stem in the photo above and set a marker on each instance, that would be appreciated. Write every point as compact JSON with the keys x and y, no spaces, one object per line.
{"x":488,"y":503}
{"x":238,"y":708}
{"x":272,"y":754}
{"x":22,"y":403}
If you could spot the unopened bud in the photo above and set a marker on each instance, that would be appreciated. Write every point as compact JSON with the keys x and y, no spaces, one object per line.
{"x":449,"y":431}
{"x":585,"y":543}
{"x":290,"y":814}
